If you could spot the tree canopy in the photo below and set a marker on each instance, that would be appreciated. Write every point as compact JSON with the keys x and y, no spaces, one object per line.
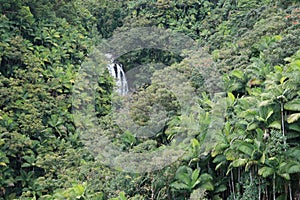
{"x":239,"y":133}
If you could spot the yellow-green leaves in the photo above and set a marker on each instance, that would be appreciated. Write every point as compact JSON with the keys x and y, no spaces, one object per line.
{"x":26,"y":15}
{"x":293,"y":118}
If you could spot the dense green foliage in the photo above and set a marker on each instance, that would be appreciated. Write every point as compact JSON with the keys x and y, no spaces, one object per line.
{"x":251,"y":49}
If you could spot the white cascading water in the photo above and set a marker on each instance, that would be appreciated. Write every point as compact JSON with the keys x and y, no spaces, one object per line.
{"x":116,"y":71}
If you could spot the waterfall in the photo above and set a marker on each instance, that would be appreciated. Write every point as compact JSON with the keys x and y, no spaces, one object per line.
{"x":116,"y":71}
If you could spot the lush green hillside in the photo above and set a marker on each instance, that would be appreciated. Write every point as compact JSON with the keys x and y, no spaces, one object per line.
{"x":250,"y":49}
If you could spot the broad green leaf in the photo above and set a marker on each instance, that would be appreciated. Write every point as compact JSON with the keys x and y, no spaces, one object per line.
{"x":219,"y":148}
{"x":246,"y":148}
{"x":179,"y":186}
{"x":282,"y":79}
{"x":25,"y":165}
{"x":220,"y":188}
{"x":260,"y":135}
{"x":239,"y":163}
{"x":184,"y":178}
{"x":122,"y":196}
{"x":231,"y":154}
{"x":195,"y":175}
{"x":230,"y":98}
{"x":193,"y":184}
{"x":278,"y":69}
{"x":79,"y":189}
{"x":292,"y":135}
{"x":269,"y":114}
{"x":294,"y":127}
{"x":296,"y":63}
{"x":207,"y":186}
{"x":294,"y":169}
{"x":219,"y":158}
{"x":263,"y":158}
{"x":265,"y":171}
{"x":265,"y":103}
{"x":293,"y":118}
{"x":277,"y":37}
{"x":286,"y":176}
{"x":294,"y":152}
{"x":275,"y":124}
{"x":293,"y":105}
{"x":238,"y":73}
{"x":252,"y":126}
{"x":205,"y":177}
{"x":195,"y":143}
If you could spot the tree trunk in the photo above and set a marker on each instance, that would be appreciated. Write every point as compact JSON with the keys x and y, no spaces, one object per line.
{"x":282,"y":120}
{"x":232,"y":184}
{"x":274,"y":188}
{"x":239,"y":174}
{"x":267,"y":193}
{"x":259,"y":189}
{"x":290,"y":192}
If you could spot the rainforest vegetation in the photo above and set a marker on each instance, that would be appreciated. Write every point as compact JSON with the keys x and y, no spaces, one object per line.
{"x":249,"y":48}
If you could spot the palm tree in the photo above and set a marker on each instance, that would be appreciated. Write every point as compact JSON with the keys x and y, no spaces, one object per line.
{"x":187,"y":179}
{"x":279,"y":167}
